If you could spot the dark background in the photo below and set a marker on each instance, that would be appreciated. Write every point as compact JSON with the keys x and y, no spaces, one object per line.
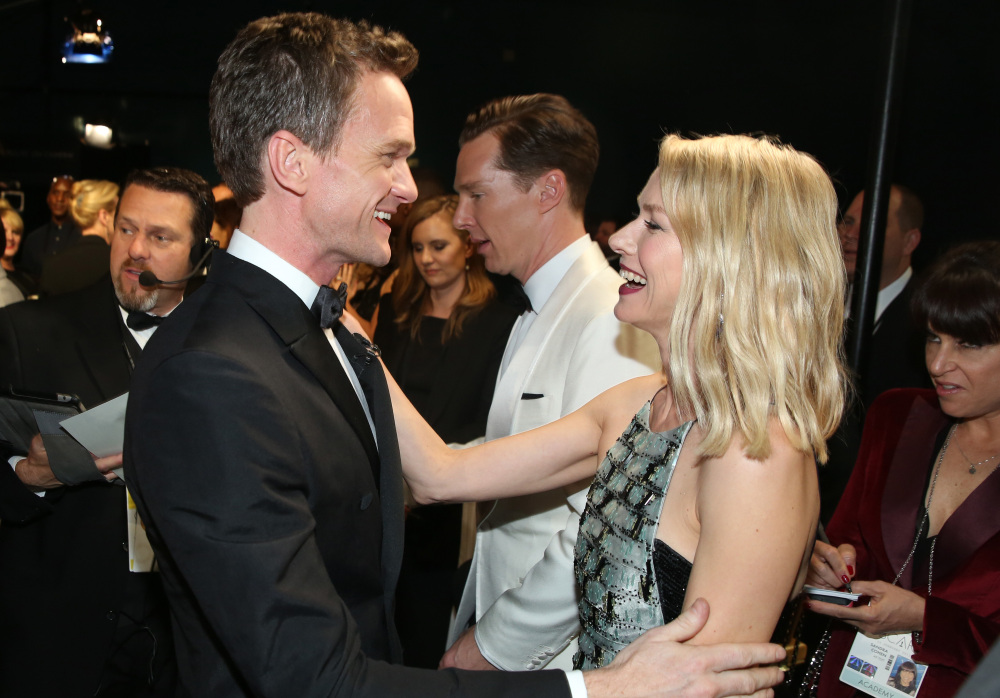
{"x":805,"y":71}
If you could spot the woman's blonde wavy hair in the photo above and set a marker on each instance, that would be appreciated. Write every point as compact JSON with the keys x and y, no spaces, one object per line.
{"x":757,"y":328}
{"x":90,"y":196}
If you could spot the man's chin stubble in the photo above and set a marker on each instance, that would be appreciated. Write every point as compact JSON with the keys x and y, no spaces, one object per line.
{"x":135,"y":301}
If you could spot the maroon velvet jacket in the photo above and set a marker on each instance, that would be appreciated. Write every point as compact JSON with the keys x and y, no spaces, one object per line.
{"x":878,"y":514}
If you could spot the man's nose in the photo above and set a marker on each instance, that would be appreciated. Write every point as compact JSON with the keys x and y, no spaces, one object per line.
{"x":462,"y":219}
{"x":138,"y":249}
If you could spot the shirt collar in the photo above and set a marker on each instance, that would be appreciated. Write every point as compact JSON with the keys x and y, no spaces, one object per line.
{"x":540,"y":286}
{"x":888,"y":294}
{"x":244,"y":247}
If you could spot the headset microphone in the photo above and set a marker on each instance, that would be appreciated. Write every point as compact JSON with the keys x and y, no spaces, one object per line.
{"x":147,"y":279}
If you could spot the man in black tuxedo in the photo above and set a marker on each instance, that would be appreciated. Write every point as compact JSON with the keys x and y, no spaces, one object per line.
{"x":74,"y":621}
{"x":261,"y":446}
{"x":896,"y":359}
{"x":896,"y":352}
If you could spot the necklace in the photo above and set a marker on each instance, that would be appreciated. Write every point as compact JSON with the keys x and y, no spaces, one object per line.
{"x":973,"y":466}
{"x":927,"y":515}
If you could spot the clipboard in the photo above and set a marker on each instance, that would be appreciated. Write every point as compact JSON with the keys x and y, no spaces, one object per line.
{"x":24,"y":414}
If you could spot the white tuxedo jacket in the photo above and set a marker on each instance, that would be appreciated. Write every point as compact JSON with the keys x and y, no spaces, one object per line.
{"x":521,"y":585}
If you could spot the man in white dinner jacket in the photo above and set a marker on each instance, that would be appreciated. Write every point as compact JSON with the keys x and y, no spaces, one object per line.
{"x":523,"y":172}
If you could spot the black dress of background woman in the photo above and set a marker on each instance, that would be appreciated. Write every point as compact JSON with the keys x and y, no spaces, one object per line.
{"x":447,"y":366}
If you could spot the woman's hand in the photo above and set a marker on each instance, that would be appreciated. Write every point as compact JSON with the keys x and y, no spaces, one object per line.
{"x":347,"y":274}
{"x":890,"y":610}
{"x":353,"y":324}
{"x":830,"y":567}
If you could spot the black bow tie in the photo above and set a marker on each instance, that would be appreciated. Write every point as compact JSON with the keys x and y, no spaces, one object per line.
{"x":520,"y":298}
{"x":140,"y":321}
{"x":329,"y":305}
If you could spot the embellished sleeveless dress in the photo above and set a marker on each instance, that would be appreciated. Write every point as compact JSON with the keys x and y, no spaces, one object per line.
{"x":629,"y":581}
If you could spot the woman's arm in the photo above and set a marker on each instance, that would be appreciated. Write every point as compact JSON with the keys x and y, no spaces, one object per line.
{"x":539,"y":460}
{"x":756,"y":520}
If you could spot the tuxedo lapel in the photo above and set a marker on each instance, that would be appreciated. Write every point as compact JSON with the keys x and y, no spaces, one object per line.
{"x":390,"y":488}
{"x":559,"y":303}
{"x":100,"y":346}
{"x":510,"y":385}
{"x":372,"y":378}
{"x":314,"y":351}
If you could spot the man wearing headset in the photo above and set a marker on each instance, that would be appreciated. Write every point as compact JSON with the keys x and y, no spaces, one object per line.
{"x":83,"y":614}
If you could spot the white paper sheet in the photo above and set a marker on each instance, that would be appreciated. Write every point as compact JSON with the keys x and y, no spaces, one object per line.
{"x":101,"y":430}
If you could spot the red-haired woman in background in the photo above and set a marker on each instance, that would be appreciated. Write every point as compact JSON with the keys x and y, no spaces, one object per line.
{"x":442,"y":334}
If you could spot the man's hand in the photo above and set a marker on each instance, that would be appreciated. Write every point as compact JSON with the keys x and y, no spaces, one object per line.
{"x":36,"y":473}
{"x":657,"y":664}
{"x":107,"y":464}
{"x":465,"y":654}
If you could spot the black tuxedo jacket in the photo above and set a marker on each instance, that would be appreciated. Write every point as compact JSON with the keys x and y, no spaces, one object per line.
{"x":252,"y":464}
{"x":62,"y":563}
{"x":897,"y":350}
{"x":896,"y":360}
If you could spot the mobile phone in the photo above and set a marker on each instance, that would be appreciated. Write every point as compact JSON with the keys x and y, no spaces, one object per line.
{"x":841,"y":598}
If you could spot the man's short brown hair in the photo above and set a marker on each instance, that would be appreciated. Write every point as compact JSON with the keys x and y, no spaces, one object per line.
{"x":910,"y":213}
{"x":298,"y":72}
{"x":537,"y":133}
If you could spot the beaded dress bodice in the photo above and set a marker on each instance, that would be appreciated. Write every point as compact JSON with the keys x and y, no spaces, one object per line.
{"x":615,"y":571}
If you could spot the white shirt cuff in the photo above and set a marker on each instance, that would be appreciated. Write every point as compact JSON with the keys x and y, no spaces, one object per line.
{"x":577,"y":686}
{"x":14,"y":460}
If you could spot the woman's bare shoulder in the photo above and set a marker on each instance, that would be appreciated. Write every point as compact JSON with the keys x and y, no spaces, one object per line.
{"x":629,"y":396}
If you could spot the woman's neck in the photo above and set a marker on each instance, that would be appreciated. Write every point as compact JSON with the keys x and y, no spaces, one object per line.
{"x":7,"y":263}
{"x":981,"y":433}
{"x":97,"y":229}
{"x":442,"y":301}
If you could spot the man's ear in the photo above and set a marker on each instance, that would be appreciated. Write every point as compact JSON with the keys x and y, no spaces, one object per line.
{"x":289,"y":159}
{"x":552,"y":189}
{"x":911,"y":238}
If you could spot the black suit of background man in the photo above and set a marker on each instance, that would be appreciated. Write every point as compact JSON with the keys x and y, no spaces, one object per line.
{"x":64,"y":557}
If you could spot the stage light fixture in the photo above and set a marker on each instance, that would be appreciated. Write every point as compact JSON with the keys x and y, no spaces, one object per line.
{"x":98,"y":136}
{"x":88,"y":40}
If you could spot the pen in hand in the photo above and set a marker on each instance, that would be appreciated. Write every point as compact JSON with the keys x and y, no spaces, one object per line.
{"x":821,"y":534}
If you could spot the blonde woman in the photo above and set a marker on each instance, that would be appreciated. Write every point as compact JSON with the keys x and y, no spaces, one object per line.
{"x":92,"y":205}
{"x":13,"y":230}
{"x":710,"y":490}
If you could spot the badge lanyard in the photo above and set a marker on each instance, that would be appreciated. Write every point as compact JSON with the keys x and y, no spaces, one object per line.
{"x":884,"y":666}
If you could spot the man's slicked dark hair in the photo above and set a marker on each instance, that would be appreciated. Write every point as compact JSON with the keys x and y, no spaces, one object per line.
{"x":298,"y":72}
{"x":176,"y":180}
{"x":538,"y":133}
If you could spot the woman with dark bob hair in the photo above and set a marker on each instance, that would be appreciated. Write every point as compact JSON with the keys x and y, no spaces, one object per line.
{"x":917,"y":531}
{"x":442,"y":334}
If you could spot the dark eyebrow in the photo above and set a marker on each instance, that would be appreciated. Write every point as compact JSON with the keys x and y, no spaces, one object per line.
{"x":475,"y":184}
{"x":151,"y":230}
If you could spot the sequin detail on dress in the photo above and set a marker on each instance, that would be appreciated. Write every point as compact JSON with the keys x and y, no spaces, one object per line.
{"x":619,"y":599}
